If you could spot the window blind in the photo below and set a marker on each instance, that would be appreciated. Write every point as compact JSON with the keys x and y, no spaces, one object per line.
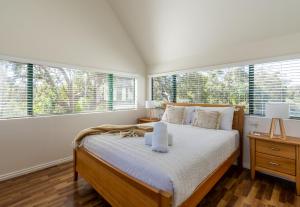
{"x":13,"y":89}
{"x":61,"y":90}
{"x":222,"y":86}
{"x":163,"y":88}
{"x":276,"y":82}
{"x":252,"y":86}
{"x":33,"y":90}
{"x":123,"y":93}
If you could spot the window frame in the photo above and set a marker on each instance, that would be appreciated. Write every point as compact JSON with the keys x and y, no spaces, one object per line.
{"x":251,"y":88}
{"x":30,"y":88}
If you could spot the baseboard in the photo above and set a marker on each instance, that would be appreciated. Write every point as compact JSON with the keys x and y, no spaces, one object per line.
{"x":35,"y":168}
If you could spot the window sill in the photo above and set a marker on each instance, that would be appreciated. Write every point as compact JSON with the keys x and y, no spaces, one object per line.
{"x":263,"y":117}
{"x":71,"y":114}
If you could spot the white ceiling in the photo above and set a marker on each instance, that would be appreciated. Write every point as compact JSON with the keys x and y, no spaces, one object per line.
{"x":166,"y":30}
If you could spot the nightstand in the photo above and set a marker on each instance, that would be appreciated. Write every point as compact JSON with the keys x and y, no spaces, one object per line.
{"x":276,"y":157}
{"x":147,"y":120}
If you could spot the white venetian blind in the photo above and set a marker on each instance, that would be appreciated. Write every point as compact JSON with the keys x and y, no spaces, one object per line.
{"x":163,"y":88}
{"x":124,"y":96}
{"x":222,"y":86}
{"x":34,"y":90}
{"x":276,"y":82}
{"x":13,"y":89}
{"x":62,"y":91}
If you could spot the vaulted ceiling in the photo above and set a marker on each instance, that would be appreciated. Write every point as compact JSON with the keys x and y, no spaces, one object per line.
{"x":166,"y":30}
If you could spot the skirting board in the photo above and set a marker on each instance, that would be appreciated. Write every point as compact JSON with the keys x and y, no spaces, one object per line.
{"x":35,"y":168}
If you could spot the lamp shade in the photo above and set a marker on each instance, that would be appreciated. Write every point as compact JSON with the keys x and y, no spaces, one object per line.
{"x":277,"y":110}
{"x":149,"y":105}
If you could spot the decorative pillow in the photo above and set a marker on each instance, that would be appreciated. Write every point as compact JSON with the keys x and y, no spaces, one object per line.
{"x":226,"y":115}
{"x":207,"y":119}
{"x":188,"y":115}
{"x":173,"y":114}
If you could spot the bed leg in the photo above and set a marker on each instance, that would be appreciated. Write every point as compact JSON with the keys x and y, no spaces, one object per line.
{"x":75,"y":173}
{"x":75,"y":176}
{"x":240,"y":162}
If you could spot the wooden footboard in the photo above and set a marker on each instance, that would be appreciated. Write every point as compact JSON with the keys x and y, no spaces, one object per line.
{"x":118,"y":188}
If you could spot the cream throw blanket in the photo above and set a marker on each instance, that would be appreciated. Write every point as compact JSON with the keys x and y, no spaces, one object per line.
{"x":123,"y":130}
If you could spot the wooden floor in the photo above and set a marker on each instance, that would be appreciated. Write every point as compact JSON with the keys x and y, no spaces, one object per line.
{"x":55,"y":187}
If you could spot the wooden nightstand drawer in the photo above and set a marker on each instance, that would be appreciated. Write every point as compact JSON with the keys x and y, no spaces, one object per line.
{"x":277,"y":149}
{"x":275,"y":163}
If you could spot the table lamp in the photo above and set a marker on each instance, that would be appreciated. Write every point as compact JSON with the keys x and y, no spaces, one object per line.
{"x":277,"y":112}
{"x":150,"y":105}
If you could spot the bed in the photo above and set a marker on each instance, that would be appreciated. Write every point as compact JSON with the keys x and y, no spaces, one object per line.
{"x":154,"y":179}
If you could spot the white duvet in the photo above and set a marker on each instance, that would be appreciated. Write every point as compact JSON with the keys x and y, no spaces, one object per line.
{"x":195,"y":153}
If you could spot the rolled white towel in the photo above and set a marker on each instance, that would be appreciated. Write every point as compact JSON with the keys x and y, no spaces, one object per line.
{"x":148,"y":139}
{"x":160,"y":137}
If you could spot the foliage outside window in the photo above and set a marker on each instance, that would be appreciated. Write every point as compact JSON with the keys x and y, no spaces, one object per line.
{"x":251,"y":86}
{"x":277,"y":82}
{"x":123,"y":92}
{"x":162,"y":88}
{"x":33,"y":90}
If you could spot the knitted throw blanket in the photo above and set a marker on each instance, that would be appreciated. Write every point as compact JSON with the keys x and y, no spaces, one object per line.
{"x":123,"y":130}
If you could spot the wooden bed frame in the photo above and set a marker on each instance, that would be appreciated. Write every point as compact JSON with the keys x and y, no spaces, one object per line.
{"x":121,"y":189}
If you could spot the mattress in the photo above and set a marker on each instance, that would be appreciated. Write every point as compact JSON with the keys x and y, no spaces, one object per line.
{"x":195,"y":153}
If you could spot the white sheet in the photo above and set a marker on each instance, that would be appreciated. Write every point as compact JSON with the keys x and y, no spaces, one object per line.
{"x":194,"y":155}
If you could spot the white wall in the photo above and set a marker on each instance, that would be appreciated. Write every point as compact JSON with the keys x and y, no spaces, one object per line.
{"x":197,"y":33}
{"x":250,"y":52}
{"x":80,"y":33}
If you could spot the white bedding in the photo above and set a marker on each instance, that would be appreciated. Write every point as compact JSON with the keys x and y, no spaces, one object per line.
{"x":194,"y":155}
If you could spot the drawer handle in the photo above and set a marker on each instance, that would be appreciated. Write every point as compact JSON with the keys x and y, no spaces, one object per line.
{"x":274,"y":163}
{"x":275,"y":149}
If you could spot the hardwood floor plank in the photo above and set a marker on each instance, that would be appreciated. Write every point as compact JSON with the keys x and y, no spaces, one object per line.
{"x":54,"y":187}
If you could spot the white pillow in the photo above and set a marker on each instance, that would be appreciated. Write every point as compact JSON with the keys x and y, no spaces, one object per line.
{"x":226,"y":115}
{"x":188,"y":115}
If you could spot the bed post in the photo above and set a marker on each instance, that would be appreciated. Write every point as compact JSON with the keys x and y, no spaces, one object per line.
{"x":75,"y":175}
{"x":240,"y":127}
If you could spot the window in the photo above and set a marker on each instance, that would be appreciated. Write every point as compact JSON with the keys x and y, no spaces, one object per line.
{"x":251,"y":85}
{"x":33,"y":90}
{"x":123,"y":92}
{"x":277,"y":82}
{"x":61,"y":90}
{"x":224,"y":86}
{"x":164,"y":88}
{"x":13,"y":89}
